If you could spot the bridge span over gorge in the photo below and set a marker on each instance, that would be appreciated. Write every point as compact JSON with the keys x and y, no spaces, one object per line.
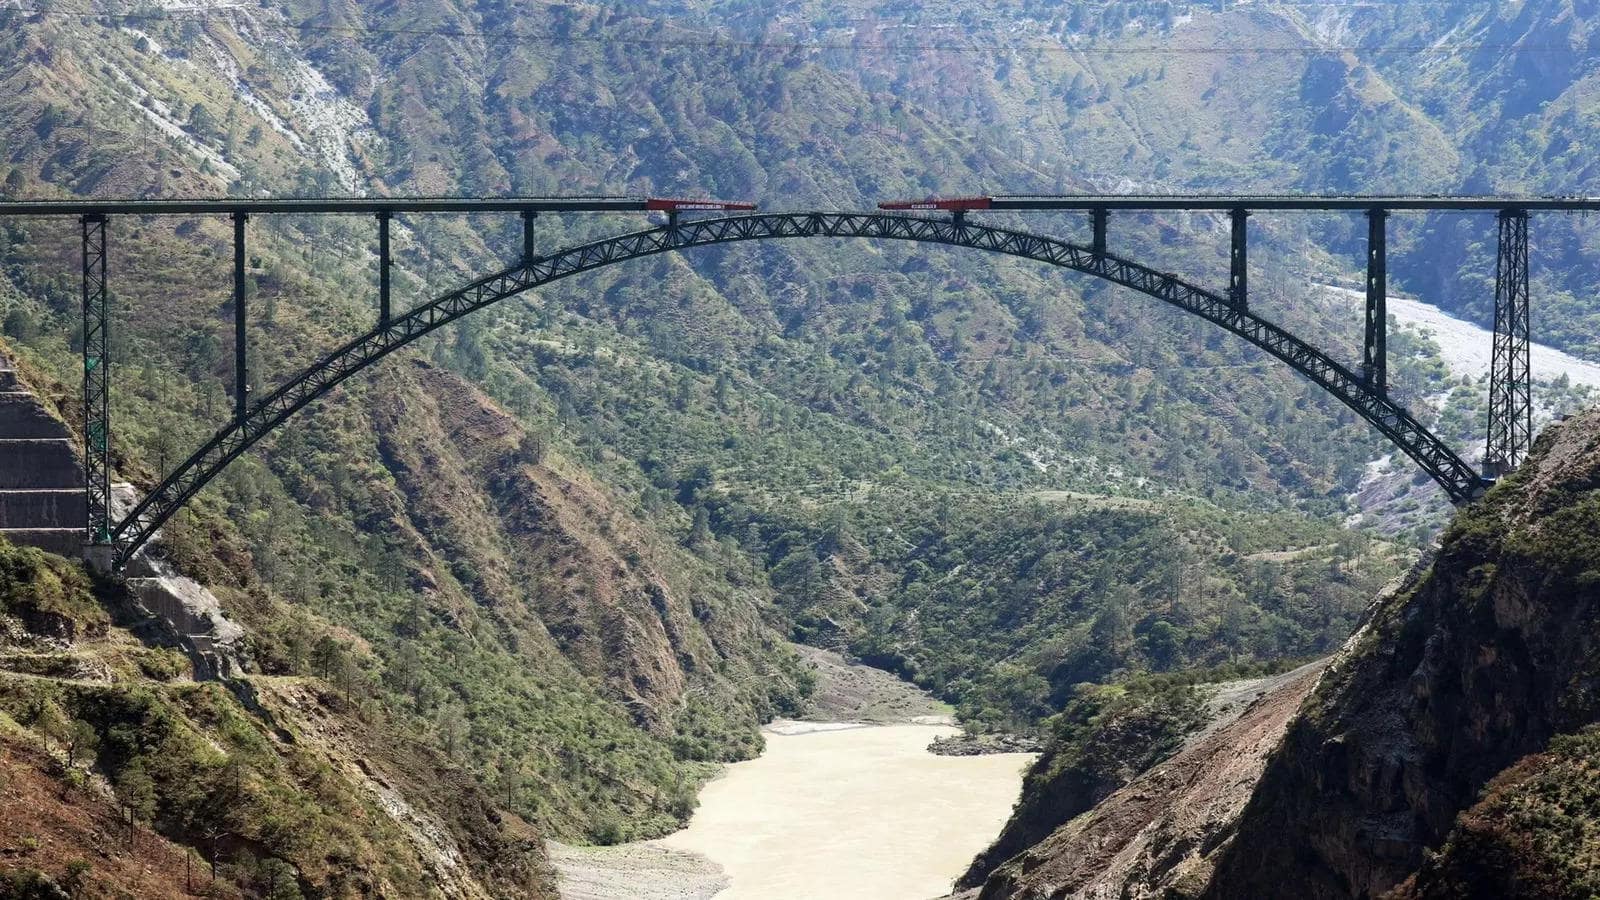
{"x":681,"y":225}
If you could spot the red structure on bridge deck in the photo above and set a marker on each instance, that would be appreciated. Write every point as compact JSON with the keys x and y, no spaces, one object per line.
{"x":947,"y":204}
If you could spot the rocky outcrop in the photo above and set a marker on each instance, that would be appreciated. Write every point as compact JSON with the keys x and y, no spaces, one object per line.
{"x":1535,"y":834}
{"x":42,"y":504}
{"x":1478,"y":663}
{"x":1158,"y":835}
{"x":981,"y":744}
{"x":214,"y":643}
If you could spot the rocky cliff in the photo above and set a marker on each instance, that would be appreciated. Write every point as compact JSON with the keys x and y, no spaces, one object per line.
{"x":1449,"y":750}
{"x":1535,"y":833}
{"x":1478,"y":663}
{"x":1159,"y":833}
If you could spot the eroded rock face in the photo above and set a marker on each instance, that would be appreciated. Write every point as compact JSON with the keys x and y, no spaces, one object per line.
{"x":1478,"y":663}
{"x":214,"y":643}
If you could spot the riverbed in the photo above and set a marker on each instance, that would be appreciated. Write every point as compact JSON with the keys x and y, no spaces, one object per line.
{"x":1466,"y":347}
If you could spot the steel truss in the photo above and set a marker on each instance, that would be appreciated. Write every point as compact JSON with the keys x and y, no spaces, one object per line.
{"x":96,"y":382}
{"x":1510,"y":385}
{"x":1457,"y":478}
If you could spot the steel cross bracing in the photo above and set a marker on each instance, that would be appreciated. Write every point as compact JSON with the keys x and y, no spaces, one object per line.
{"x":1510,"y":389}
{"x":1459,"y":480}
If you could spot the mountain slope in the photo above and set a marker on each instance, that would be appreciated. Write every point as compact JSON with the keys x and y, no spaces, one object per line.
{"x":1446,"y":751}
{"x":1482,"y":661}
{"x":1161,"y":832}
{"x":117,"y":768}
{"x":1535,"y":833}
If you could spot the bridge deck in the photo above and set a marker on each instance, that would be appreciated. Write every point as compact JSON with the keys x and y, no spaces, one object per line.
{"x":1286,"y":202}
{"x":1190,"y":202}
{"x":371,"y":205}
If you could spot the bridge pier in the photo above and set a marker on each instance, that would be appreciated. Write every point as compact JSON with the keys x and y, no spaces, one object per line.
{"x":1510,"y":390}
{"x":1375,"y":360}
{"x":96,"y":389}
{"x":241,"y":373}
{"x":1098,"y":218}
{"x":528,"y":256}
{"x":383,"y":269}
{"x":1239,"y":264}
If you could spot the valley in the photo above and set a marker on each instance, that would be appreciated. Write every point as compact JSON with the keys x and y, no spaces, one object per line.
{"x":658,"y":580}
{"x":1464,"y":347}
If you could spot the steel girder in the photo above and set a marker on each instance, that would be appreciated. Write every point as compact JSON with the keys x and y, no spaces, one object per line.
{"x":1457,"y":478}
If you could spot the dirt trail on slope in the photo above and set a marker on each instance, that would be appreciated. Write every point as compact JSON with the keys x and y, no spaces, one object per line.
{"x":1164,"y":829}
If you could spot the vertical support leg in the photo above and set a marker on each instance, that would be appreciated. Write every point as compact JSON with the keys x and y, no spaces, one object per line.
{"x":1098,"y":219}
{"x":1239,"y":267}
{"x":96,"y":392}
{"x":1375,"y":361}
{"x":528,"y":256}
{"x":383,"y":269}
{"x":241,"y":371}
{"x":1510,"y":395}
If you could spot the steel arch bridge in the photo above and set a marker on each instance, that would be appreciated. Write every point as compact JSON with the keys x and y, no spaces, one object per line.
{"x":112,"y":542}
{"x":1458,"y":478}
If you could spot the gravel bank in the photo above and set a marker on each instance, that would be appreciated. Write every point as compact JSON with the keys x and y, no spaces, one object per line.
{"x":644,"y":871}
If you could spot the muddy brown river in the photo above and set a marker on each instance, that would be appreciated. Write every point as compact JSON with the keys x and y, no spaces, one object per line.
{"x":837,"y":813}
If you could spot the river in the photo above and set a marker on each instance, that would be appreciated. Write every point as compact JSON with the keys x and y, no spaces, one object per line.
{"x":855,"y":813}
{"x":831,"y":811}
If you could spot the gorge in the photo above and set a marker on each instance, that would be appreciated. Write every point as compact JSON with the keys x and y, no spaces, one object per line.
{"x":514,"y":613}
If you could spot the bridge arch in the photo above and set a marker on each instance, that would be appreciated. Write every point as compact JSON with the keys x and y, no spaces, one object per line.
{"x":1458,"y":479}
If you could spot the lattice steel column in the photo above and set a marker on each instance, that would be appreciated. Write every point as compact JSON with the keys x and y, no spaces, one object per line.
{"x":1510,"y":398}
{"x":96,"y":389}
